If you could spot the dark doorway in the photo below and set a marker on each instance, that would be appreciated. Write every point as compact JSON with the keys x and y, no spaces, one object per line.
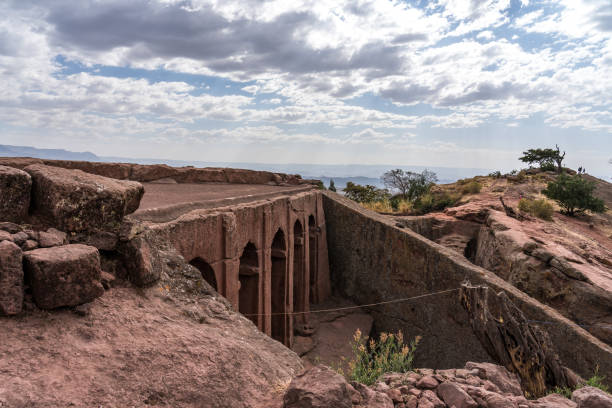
{"x":208,"y":273}
{"x":279,"y":288}
{"x":312,"y":257}
{"x":248,"y":297}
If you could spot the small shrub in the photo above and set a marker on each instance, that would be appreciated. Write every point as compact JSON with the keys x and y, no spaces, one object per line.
{"x":404,"y":206}
{"x":372,"y":358}
{"x":472,"y":187}
{"x":495,"y":174}
{"x":378,"y":206}
{"x":538,"y":208}
{"x":595,"y":381}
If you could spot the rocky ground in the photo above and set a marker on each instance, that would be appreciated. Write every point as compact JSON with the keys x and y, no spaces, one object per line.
{"x":476,"y":385}
{"x":565,"y":262}
{"x":176,"y":344}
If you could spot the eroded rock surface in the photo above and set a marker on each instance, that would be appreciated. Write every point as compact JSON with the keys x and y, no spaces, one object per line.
{"x":68,"y":275}
{"x":15,"y":186}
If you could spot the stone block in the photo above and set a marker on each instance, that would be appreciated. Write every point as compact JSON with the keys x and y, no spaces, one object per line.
{"x":11,"y":279}
{"x":15,"y":187}
{"x":75,"y":201}
{"x":67,"y":275}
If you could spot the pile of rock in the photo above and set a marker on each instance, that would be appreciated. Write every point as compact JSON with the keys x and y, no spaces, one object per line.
{"x":47,"y":215}
{"x":476,"y":385}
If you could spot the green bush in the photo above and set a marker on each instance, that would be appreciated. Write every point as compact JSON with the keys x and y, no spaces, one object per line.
{"x":495,"y":174}
{"x":372,"y":358}
{"x":595,"y":381}
{"x":574,"y":194}
{"x":473,"y":187}
{"x":538,"y":208}
{"x":365,"y":194}
{"x":435,"y":202}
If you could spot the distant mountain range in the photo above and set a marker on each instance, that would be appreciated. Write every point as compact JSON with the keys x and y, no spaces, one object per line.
{"x":55,"y":154}
{"x":340,"y":173}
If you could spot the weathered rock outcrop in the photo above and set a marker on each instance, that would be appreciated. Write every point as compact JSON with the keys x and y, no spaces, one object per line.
{"x":11,"y":279}
{"x":559,"y":265}
{"x":75,"y":201}
{"x":374,"y":259}
{"x":591,"y":397}
{"x":153,"y":172}
{"x":176,"y":344}
{"x":15,"y":186}
{"x":319,"y":387}
{"x":63,"y":276}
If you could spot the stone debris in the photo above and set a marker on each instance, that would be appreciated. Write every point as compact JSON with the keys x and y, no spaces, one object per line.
{"x":483,"y":385}
{"x":68,"y":275}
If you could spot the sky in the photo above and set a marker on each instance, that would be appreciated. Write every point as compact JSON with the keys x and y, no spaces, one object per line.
{"x":456,"y":83}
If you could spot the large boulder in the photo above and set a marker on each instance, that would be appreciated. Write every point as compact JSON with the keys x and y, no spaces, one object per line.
{"x":591,"y":397}
{"x":67,"y":275}
{"x":319,"y":387}
{"x":75,"y":201}
{"x":11,"y":278}
{"x":15,"y":186}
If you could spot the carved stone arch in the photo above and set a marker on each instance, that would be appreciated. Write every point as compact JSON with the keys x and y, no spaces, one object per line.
{"x":248,"y":295}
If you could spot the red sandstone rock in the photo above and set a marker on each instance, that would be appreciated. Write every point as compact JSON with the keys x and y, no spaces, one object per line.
{"x":427,"y":382}
{"x":29,"y":245}
{"x":76,"y":201}
{"x":11,"y":279}
{"x":5,"y":236}
{"x":15,"y":186}
{"x":120,"y":171}
{"x":106,"y":279}
{"x":63,"y":276}
{"x":319,"y":387}
{"x":453,"y":395}
{"x":19,"y":162}
{"x":51,"y":238}
{"x":141,"y":261}
{"x":372,"y":398}
{"x":552,"y":401}
{"x":506,"y":381}
{"x":591,"y":397}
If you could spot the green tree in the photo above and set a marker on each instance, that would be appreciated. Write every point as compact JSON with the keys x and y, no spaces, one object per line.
{"x":547,"y":159}
{"x":574,"y":194}
{"x":410,"y":185}
{"x":332,"y":185}
{"x":365,"y":194}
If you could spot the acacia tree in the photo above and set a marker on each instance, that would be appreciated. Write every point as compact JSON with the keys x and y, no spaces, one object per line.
{"x":545,"y":158}
{"x":409,"y":184}
{"x":574,"y":194}
{"x":365,"y":194}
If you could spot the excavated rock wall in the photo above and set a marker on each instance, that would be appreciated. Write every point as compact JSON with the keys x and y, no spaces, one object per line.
{"x":373,"y":260}
{"x":217,"y":239}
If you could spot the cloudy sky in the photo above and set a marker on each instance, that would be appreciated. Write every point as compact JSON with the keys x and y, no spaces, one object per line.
{"x":460,"y":83}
